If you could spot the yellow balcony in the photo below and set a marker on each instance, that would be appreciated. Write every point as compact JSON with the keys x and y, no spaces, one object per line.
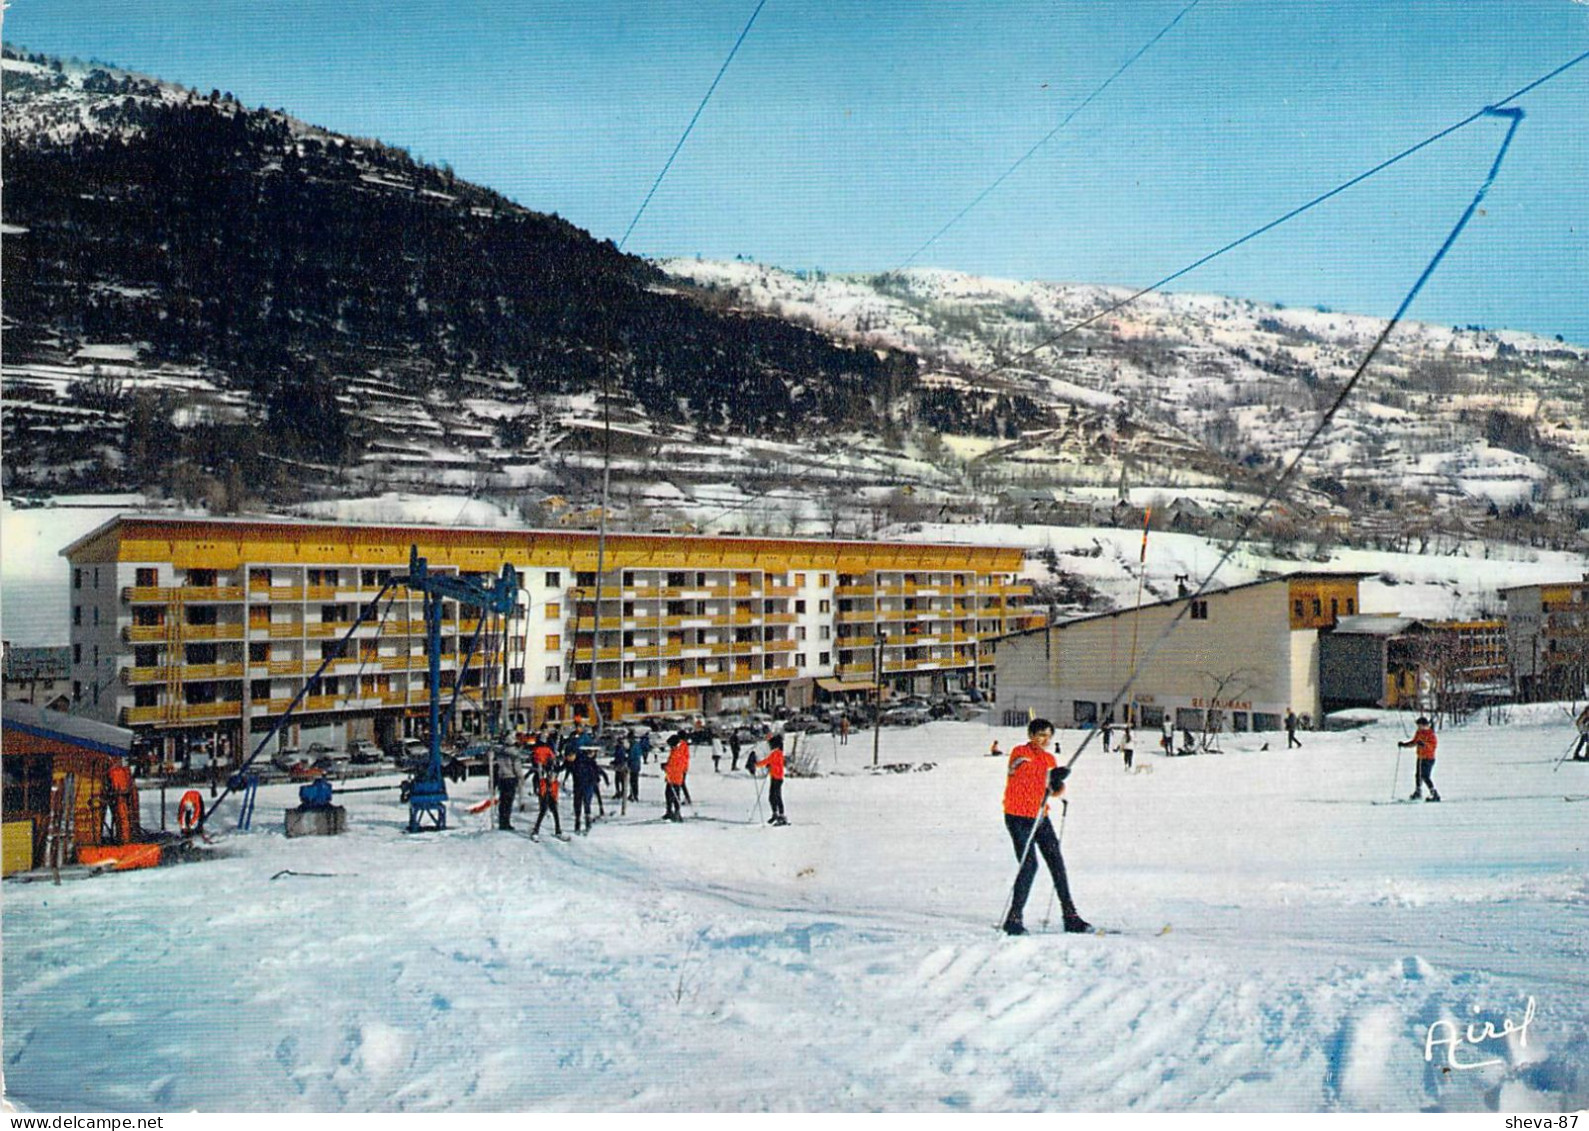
{"x":180,"y":713}
{"x":275,"y":592}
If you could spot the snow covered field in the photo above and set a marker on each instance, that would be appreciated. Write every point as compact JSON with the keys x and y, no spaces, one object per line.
{"x":1287,"y":942}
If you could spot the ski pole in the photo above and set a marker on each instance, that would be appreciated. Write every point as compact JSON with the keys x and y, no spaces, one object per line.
{"x":757,"y":818}
{"x":1571,"y":747}
{"x":1059,"y":839}
{"x":1009,"y":904}
{"x":1395,"y":781}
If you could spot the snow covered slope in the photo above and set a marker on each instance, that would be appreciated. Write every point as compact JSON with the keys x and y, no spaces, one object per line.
{"x":1314,"y":936}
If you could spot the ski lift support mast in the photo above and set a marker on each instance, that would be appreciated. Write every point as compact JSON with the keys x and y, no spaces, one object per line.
{"x":427,"y":792}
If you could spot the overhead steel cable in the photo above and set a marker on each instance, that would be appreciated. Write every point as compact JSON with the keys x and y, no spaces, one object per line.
{"x":1492,"y":107}
{"x":693,"y":119}
{"x":1515,"y":116}
{"x":1049,"y":136}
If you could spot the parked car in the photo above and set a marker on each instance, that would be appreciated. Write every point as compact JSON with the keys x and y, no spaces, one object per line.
{"x":904,"y":716}
{"x":362,"y":752}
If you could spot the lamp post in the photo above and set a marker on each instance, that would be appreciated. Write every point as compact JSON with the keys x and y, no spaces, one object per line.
{"x":877,"y":693}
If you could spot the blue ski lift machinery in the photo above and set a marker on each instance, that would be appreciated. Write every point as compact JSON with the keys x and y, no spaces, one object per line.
{"x":426,"y":792}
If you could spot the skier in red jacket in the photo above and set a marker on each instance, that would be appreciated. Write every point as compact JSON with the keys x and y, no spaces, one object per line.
{"x":1424,"y":739}
{"x":1033,"y":778}
{"x":774,"y":763}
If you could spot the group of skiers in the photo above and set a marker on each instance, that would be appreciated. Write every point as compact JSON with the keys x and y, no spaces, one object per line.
{"x":578,"y":759}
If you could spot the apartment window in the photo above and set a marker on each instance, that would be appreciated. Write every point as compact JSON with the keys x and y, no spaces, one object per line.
{"x":1296,"y":608}
{"x":204,"y":577}
{"x":77,"y":653}
{"x":554,"y":610}
{"x":554,"y":674}
{"x":628,"y":579}
{"x":96,"y":577}
{"x":1351,"y":606}
{"x":554,"y":579}
{"x":825,"y":658}
{"x":800,"y":606}
{"x":259,"y":689}
{"x":259,"y":653}
{"x":146,"y":576}
{"x":96,"y":615}
{"x":1199,"y":610}
{"x":144,"y":616}
{"x":554,"y":641}
{"x":822,"y":580}
{"x":1318,"y":607}
{"x":1335,"y":608}
{"x":77,"y":579}
{"x":800,"y":632}
{"x":259,"y":577}
{"x":77,"y":614}
{"x":824,"y":632}
{"x":824,"y":605}
{"x":146,"y":696}
{"x":585,"y":579}
{"x":799,"y":579}
{"x":800,"y":659}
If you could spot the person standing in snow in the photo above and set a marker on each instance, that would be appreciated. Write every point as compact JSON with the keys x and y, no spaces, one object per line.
{"x":674,"y":769}
{"x":1032,"y":780}
{"x":507,"y":782}
{"x":1580,"y":752}
{"x":1424,"y":739}
{"x":1127,"y":752}
{"x":844,"y":730}
{"x":546,"y":785}
{"x":619,"y":764}
{"x":637,"y":757}
{"x":1292,"y":740}
{"x":587,"y":778}
{"x":733,"y":750}
{"x":775,"y":765}
{"x":1107,"y":732}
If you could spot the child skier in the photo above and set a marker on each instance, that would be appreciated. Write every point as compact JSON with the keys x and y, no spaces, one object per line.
{"x":1127,"y":751}
{"x":1033,"y":778}
{"x":546,"y":785}
{"x":774,"y":763}
{"x":1424,"y":739}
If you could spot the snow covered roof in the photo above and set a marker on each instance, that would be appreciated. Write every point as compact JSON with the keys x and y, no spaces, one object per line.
{"x":45,"y":723}
{"x":1373,"y":625}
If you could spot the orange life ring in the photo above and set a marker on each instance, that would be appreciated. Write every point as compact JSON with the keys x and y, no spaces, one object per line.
{"x":190,"y":810}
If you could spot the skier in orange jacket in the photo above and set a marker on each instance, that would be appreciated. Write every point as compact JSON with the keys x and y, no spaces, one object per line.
{"x":774,"y":763}
{"x":677,"y":765}
{"x":1033,"y":778}
{"x":1424,"y":739}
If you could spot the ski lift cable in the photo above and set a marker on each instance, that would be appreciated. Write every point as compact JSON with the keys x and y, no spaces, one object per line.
{"x":1046,"y":138}
{"x":1514,"y":116}
{"x":693,"y":119}
{"x":1492,"y":107}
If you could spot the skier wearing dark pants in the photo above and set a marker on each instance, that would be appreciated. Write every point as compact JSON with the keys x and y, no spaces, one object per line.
{"x":1580,"y":753}
{"x":588,"y":777}
{"x":507,"y":777}
{"x":546,"y":786}
{"x":1033,"y":778}
{"x":674,"y":769}
{"x":637,"y":757}
{"x":1424,"y":739}
{"x":1291,"y":730}
{"x":774,"y":763}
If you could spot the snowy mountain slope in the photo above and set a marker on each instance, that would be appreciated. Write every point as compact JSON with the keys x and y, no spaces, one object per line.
{"x":1463,"y":422}
{"x":849,"y":961}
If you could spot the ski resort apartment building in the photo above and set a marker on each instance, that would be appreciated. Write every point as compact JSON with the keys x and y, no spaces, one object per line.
{"x":1236,"y":660}
{"x":194,"y":626}
{"x":1547,"y":628}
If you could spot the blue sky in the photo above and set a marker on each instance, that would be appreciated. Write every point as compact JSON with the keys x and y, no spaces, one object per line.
{"x":846,"y":132}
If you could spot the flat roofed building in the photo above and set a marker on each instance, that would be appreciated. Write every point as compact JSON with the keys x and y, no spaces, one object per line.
{"x":1547,"y":629}
{"x":1236,"y":659}
{"x":187,"y":624}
